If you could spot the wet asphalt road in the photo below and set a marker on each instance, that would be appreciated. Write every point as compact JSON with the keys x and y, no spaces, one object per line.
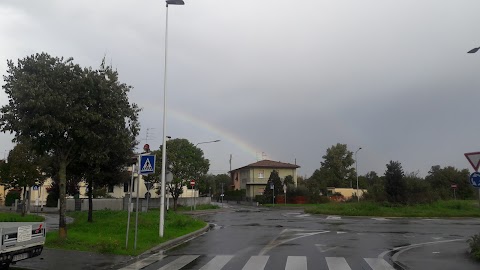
{"x":285,"y":238}
{"x":259,"y":238}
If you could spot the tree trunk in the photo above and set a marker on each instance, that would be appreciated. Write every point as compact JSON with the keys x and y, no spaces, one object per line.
{"x":62,"y":174}
{"x":29,"y":195}
{"x":24,"y":199}
{"x":90,"y":200}
{"x":175,"y":199}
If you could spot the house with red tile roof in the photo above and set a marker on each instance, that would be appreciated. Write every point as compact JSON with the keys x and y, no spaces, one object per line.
{"x":253,"y":177}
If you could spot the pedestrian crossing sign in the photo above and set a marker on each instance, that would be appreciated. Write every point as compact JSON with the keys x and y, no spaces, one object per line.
{"x":147,"y":164}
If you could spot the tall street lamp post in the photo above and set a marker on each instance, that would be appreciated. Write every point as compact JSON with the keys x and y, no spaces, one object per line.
{"x":356,"y":172}
{"x":474,"y":50}
{"x":164,"y":150}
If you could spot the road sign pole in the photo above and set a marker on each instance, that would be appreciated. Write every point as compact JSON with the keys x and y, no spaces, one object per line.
{"x":129,"y":205}
{"x":273,"y":195}
{"x":479,"y":197}
{"x":136,"y":214}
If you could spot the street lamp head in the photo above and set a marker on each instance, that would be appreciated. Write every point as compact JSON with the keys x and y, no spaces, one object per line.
{"x":207,"y":142}
{"x":175,"y":2}
{"x":474,"y":50}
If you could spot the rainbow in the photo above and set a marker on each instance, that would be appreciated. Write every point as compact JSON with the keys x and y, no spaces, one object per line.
{"x":204,"y":125}
{"x":201,"y":123}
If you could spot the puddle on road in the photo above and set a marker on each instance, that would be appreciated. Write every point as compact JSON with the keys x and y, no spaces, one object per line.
{"x":214,"y":226}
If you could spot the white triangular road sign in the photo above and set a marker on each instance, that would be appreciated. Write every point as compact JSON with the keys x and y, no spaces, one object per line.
{"x":474,"y":159}
{"x":147,"y":166}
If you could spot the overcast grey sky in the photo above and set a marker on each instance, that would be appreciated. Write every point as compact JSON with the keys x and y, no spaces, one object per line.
{"x":286,"y":78}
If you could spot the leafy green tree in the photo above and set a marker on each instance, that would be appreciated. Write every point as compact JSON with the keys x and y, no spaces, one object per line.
{"x":336,"y":168}
{"x":418,"y":190}
{"x":375,"y":187}
{"x":185,"y":161}
{"x":210,"y":184}
{"x":104,"y":159}
{"x":288,"y":181}
{"x":441,"y":180}
{"x":277,"y":186}
{"x":222,"y":180}
{"x":395,"y":187}
{"x":25,"y":171}
{"x":301,"y":181}
{"x":316,"y":186}
{"x":52,"y":105}
{"x":4,"y":173}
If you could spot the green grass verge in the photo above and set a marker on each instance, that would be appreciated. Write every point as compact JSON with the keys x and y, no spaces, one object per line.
{"x":198,"y":207}
{"x":16,"y":217}
{"x":107,"y":233}
{"x":436,"y":209}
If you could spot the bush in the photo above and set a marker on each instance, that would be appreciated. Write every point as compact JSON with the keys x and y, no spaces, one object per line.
{"x":474,"y":243}
{"x":52,"y":199}
{"x":11,"y":196}
{"x":235,"y":195}
{"x":419,"y":192}
{"x":376,"y":193}
{"x":323,"y":199}
{"x":262,"y":199}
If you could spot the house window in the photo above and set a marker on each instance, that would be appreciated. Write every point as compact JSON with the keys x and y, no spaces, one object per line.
{"x":260,"y":174}
{"x":125,"y":186}
{"x":110,"y":189}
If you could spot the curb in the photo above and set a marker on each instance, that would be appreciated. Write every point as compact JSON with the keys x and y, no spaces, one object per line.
{"x":177,"y":241}
{"x":163,"y":247}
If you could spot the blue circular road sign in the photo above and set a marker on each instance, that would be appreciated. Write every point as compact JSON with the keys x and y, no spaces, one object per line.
{"x":475,"y":179}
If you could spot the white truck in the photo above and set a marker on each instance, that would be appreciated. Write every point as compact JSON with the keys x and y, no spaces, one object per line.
{"x":20,"y":241}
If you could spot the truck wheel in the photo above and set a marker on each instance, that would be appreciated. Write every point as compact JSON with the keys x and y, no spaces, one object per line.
{"x":4,"y":266}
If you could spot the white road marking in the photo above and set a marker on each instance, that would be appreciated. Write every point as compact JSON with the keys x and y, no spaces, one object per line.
{"x":217,"y":263}
{"x":381,"y":219}
{"x":180,"y":262}
{"x":256,"y":263}
{"x":337,"y":263}
{"x":378,"y":264}
{"x":405,"y":248}
{"x":301,"y":233}
{"x":296,"y":263}
{"x":145,"y":262}
{"x":334,"y":217}
{"x":322,"y":250}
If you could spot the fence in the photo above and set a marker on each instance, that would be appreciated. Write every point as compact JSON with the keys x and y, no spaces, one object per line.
{"x":114,"y":204}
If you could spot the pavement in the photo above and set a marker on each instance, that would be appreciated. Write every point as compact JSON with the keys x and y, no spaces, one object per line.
{"x":53,"y":259}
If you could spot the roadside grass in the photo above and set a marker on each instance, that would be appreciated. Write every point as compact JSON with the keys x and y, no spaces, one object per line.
{"x":16,"y":217}
{"x":198,"y":207}
{"x":107,"y":233}
{"x":437,"y":209}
